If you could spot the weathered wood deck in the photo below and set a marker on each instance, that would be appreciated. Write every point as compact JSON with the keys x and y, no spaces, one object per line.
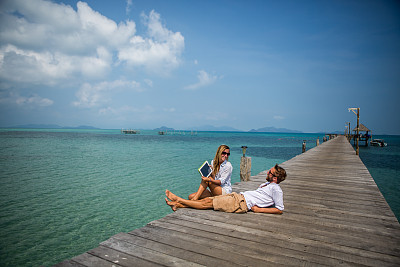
{"x":334,"y":215}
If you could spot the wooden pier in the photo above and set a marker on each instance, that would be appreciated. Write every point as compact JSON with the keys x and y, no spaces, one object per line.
{"x":334,"y":215}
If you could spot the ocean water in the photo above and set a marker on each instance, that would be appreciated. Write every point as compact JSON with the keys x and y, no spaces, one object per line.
{"x":62,"y":192}
{"x":383,"y":163}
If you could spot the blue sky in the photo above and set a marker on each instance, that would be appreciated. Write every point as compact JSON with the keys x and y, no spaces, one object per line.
{"x":245,"y":64}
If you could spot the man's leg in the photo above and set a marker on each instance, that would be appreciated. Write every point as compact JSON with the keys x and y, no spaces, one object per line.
{"x":178,"y":202}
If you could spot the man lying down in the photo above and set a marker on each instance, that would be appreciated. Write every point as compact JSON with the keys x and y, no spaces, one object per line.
{"x":267,"y":198}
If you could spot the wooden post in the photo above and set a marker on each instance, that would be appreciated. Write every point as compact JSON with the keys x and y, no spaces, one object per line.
{"x":358,"y":133}
{"x":349,"y":137}
{"x":304,"y":146}
{"x":245,"y":166}
{"x":245,"y":169}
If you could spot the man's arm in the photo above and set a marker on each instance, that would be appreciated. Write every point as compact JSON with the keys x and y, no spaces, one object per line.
{"x":266,"y":210}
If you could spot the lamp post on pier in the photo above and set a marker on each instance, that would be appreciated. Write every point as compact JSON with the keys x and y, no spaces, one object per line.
{"x":358,"y":125}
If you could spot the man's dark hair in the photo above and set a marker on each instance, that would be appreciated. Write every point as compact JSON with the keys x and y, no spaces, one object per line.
{"x":280,"y":173}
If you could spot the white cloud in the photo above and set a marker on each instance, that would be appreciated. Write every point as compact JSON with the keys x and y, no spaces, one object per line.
{"x":107,"y":110}
{"x":31,"y":101}
{"x":128,"y":6}
{"x":148,"y":82}
{"x":48,"y":43}
{"x":277,"y":117}
{"x":46,"y":26}
{"x":35,"y":101}
{"x":204,"y":79}
{"x":161,"y":50}
{"x":48,"y":68}
{"x":89,"y":96}
{"x":169,"y":109}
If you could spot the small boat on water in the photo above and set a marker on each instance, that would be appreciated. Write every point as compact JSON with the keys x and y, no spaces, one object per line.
{"x":378,"y":142}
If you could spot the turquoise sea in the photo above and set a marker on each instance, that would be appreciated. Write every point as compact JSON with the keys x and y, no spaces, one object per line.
{"x":62,"y":192}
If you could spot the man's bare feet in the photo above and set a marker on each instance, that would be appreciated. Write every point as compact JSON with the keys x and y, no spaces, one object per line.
{"x":171,"y":204}
{"x":171,"y":196}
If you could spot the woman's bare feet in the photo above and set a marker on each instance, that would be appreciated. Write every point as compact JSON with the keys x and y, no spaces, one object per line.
{"x":171,"y":196}
{"x":171,"y":204}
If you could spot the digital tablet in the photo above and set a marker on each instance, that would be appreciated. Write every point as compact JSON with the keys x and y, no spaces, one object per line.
{"x":205,"y":169}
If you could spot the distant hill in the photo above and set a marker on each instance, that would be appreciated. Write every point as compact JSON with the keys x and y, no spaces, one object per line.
{"x":274,"y":130}
{"x":81,"y":127}
{"x":211,"y":128}
{"x":51,"y":126}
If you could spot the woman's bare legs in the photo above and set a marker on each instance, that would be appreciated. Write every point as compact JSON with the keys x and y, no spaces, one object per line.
{"x":174,"y":205}
{"x":202,"y":192}
{"x":216,"y":190}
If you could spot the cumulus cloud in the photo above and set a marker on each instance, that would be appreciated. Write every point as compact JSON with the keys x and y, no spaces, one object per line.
{"x":31,"y":101}
{"x":128,"y":6}
{"x":27,"y":66}
{"x":160,"y":49}
{"x":89,"y":95}
{"x":277,"y":117}
{"x":35,"y":101}
{"x":47,"y":43}
{"x":204,"y":79}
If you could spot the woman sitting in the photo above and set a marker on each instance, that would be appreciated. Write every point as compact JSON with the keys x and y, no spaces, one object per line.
{"x":219,"y":181}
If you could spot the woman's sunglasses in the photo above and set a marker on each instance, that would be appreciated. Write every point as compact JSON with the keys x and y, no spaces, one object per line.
{"x":226,"y":153}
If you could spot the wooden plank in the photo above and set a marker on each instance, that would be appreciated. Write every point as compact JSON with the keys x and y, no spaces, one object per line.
{"x":172,"y":247}
{"x":68,"y":263}
{"x":87,"y":259}
{"x":118,"y":243}
{"x":334,"y":215}
{"x":230,"y":254}
{"x":256,"y":246}
{"x":120,"y":258}
{"x":266,"y":227}
{"x":301,"y":251}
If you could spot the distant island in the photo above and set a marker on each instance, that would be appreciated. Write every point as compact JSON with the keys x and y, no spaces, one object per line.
{"x":210,"y":128}
{"x":51,"y":126}
{"x":274,"y":130}
{"x":204,"y":128}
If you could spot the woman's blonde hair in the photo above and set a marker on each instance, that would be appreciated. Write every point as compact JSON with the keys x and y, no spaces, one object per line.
{"x":217,"y":159}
